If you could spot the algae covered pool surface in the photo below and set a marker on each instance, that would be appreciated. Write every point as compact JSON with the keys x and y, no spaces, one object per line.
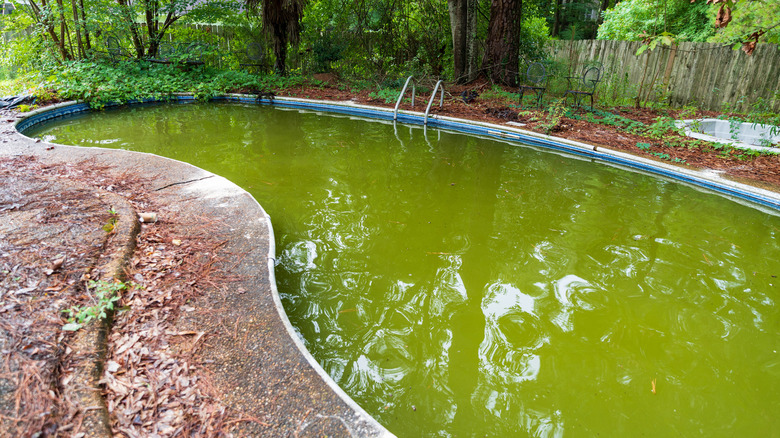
{"x":462,"y":286}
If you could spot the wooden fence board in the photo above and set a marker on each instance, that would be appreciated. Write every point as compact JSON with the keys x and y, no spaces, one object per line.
{"x":706,"y":74}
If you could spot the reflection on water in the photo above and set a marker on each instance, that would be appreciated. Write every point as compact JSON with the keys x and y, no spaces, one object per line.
{"x":457,"y":286}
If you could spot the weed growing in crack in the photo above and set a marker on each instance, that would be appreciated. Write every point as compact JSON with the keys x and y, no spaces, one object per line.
{"x":107,"y":294}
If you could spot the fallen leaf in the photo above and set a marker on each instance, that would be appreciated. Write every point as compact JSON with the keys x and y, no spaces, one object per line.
{"x":112,"y":366}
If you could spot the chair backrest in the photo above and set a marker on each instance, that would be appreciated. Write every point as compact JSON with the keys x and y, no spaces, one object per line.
{"x":254,"y":51}
{"x":167,"y":49}
{"x":536,"y":73}
{"x":591,"y":77}
{"x":195,"y":50}
{"x":113,"y":48}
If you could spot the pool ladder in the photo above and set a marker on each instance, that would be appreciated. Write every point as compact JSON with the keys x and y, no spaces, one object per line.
{"x":438,"y":87}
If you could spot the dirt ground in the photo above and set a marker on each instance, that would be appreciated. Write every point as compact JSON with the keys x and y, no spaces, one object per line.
{"x":762,"y":171}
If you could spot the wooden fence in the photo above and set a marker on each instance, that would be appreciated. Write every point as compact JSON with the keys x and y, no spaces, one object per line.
{"x":711,"y":76}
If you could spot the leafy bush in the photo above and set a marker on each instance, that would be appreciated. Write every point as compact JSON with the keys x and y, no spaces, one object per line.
{"x":100,"y":83}
{"x":389,"y":95}
{"x":633,"y":20}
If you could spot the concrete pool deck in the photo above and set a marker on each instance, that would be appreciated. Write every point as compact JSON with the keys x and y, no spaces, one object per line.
{"x":273,"y":376}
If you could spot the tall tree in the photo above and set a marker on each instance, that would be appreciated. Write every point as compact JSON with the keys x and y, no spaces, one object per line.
{"x":500,"y":62}
{"x":459,"y":23}
{"x":556,"y":19}
{"x":282,"y":19}
{"x":153,"y":11}
{"x":44,"y":14}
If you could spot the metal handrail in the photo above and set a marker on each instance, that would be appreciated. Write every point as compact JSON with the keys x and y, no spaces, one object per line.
{"x":401,"y":96}
{"x":433,"y":96}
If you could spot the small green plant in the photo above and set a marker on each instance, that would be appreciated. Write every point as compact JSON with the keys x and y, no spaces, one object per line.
{"x":735,"y":123}
{"x":660,"y":155}
{"x":643,"y":146}
{"x":389,"y":95}
{"x":106,"y":295}
{"x":26,"y":108}
{"x":109,"y":226}
{"x":662,"y":126}
{"x":555,"y":113}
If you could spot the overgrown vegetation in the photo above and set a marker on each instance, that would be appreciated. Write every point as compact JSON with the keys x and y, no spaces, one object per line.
{"x":101,"y":83}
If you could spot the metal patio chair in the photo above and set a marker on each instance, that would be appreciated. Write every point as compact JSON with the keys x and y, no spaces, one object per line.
{"x":585,"y":85}
{"x":536,"y":81}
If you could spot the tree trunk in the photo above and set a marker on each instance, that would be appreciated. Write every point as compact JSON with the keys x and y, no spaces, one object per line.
{"x":87,"y":43}
{"x":152,"y":24}
{"x":135,"y":36}
{"x":64,"y":32}
{"x":77,"y":25}
{"x":471,"y":40}
{"x":42,"y":14}
{"x":500,"y":62}
{"x":556,"y":28}
{"x":459,"y":24}
{"x":280,"y":53}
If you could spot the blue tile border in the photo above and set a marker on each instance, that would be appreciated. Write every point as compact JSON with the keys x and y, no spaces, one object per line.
{"x":460,"y":126}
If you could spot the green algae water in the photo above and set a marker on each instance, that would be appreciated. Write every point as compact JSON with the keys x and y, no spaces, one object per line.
{"x":461,"y":286}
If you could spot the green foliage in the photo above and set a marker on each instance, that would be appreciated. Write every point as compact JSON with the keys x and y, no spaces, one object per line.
{"x":660,"y":155}
{"x":664,"y":39}
{"x":662,"y":127}
{"x":106,"y":295}
{"x":634,"y":20}
{"x":24,"y":52}
{"x":643,"y":146}
{"x":327,"y":50}
{"x":577,"y":21}
{"x":389,"y":95}
{"x":498,"y":93}
{"x":99,"y":83}
{"x":534,"y":35}
{"x":617,"y":91}
{"x":377,"y":38}
{"x":555,"y":113}
{"x":749,"y":17}
{"x":607,"y":118}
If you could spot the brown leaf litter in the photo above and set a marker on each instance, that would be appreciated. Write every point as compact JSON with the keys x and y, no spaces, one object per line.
{"x":154,"y":383}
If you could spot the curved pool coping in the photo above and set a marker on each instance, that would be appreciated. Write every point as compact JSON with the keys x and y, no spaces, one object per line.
{"x":363,"y":424}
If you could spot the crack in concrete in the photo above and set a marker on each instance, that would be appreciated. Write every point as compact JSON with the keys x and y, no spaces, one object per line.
{"x":183,"y":182}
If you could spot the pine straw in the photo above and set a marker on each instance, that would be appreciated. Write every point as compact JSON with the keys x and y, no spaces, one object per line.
{"x":155,"y":386}
{"x":152,"y":383}
{"x":33,"y":296}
